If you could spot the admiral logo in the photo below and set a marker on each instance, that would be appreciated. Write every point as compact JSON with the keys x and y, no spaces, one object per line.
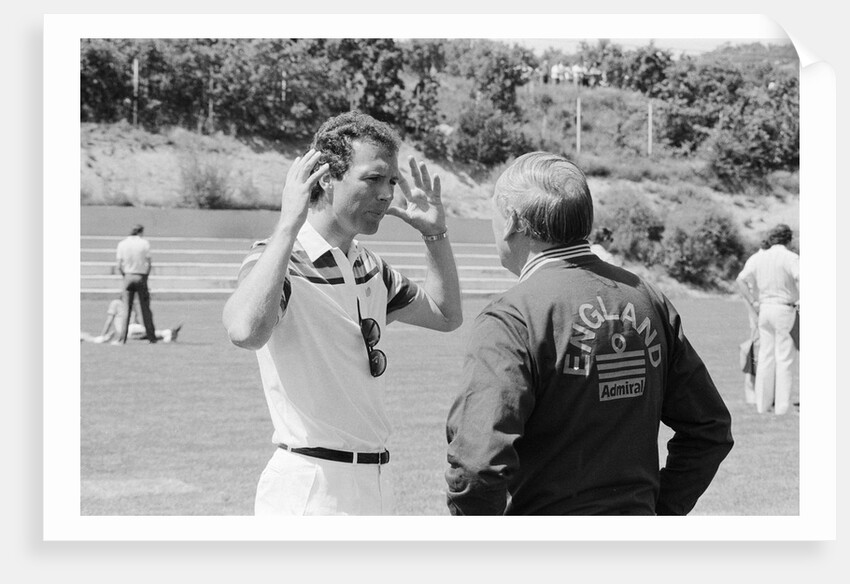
{"x":621,"y":375}
{"x":620,"y":389}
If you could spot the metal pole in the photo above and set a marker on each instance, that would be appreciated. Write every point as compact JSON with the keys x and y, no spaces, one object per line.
{"x":135,"y":91}
{"x":649,"y":130}
{"x":578,"y":125}
{"x":210,"y":110}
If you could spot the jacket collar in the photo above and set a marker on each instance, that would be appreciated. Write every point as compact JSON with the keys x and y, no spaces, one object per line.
{"x":555,"y":254}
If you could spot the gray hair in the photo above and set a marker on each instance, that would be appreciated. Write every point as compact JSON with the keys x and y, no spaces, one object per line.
{"x":550,"y":197}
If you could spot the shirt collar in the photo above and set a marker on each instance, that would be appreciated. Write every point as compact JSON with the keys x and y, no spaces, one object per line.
{"x":316,"y":246}
{"x":555,"y":254}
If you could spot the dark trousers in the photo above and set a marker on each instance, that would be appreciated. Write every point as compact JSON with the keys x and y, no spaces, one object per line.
{"x":137,"y":284}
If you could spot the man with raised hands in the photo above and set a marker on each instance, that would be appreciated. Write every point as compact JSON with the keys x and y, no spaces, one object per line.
{"x":313,"y":302}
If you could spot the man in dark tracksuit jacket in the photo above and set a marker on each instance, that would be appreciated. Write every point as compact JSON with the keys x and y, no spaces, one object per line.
{"x":569,"y":373}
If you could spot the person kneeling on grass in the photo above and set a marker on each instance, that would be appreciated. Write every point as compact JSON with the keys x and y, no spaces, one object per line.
{"x":115,"y":322}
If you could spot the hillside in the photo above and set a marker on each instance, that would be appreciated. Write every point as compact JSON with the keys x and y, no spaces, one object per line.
{"x":122,"y":165}
{"x":126,"y":166}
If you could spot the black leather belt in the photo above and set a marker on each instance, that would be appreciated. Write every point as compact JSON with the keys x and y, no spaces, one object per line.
{"x":342,"y":455}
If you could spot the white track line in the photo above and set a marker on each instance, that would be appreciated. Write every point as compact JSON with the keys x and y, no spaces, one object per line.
{"x":215,"y":291}
{"x":235,"y":266}
{"x":170,"y":264}
{"x":157,"y":252}
{"x":368,"y":243}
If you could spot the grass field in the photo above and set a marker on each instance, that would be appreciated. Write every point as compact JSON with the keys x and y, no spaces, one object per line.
{"x":183,"y":428}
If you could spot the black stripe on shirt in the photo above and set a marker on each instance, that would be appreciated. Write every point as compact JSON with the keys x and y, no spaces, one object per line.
{"x":317,"y":279}
{"x":366,"y":277}
{"x":405,"y":290}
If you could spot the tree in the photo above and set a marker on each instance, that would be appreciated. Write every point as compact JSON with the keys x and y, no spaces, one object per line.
{"x":425,"y":59}
{"x":371,"y":71}
{"x":312,"y":91}
{"x":758,"y":135}
{"x":156,"y":104}
{"x":609,"y":57}
{"x":497,"y":71}
{"x":105,"y":80}
{"x":647,"y":68}
{"x":694,"y":95}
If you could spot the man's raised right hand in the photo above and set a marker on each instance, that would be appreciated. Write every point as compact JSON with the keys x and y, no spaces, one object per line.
{"x":295,"y":199}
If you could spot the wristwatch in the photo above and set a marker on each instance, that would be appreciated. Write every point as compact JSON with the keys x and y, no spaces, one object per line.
{"x":436,"y":237}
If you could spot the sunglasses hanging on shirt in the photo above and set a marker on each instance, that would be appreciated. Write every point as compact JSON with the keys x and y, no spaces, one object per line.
{"x":371,"y":333}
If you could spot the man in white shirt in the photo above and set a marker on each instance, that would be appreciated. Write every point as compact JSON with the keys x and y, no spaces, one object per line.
{"x":134,"y":265}
{"x":750,"y":347}
{"x":769,"y":283}
{"x":312,"y":302}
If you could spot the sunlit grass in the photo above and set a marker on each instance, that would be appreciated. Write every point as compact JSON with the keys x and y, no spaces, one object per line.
{"x":183,"y":428}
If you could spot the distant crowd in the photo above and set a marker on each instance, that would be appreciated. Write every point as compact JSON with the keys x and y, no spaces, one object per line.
{"x":577,"y":74}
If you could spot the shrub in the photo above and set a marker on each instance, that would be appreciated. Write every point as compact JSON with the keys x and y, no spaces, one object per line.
{"x":433,"y":144}
{"x":246,"y":195}
{"x":756,"y":138}
{"x":784,"y":183}
{"x":703,"y":246}
{"x":636,"y":169}
{"x":206,"y":184}
{"x":596,"y":166}
{"x":86,"y":193}
{"x":486,"y":137}
{"x":636,"y":229}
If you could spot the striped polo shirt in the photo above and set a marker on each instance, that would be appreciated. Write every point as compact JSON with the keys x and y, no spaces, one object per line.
{"x":315,"y":366}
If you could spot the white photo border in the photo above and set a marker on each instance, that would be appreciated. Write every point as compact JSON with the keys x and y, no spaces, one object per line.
{"x":61,"y":463}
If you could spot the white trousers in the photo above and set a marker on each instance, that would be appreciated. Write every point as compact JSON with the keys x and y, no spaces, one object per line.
{"x":749,"y":378}
{"x":774,"y":370}
{"x":749,"y":388}
{"x":294,"y":484}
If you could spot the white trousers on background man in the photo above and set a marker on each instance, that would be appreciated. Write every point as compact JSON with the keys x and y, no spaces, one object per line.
{"x":774,"y":372}
{"x":750,"y":378}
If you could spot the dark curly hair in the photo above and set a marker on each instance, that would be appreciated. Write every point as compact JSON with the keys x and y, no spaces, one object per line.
{"x":780,"y":234}
{"x":335,"y":137}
